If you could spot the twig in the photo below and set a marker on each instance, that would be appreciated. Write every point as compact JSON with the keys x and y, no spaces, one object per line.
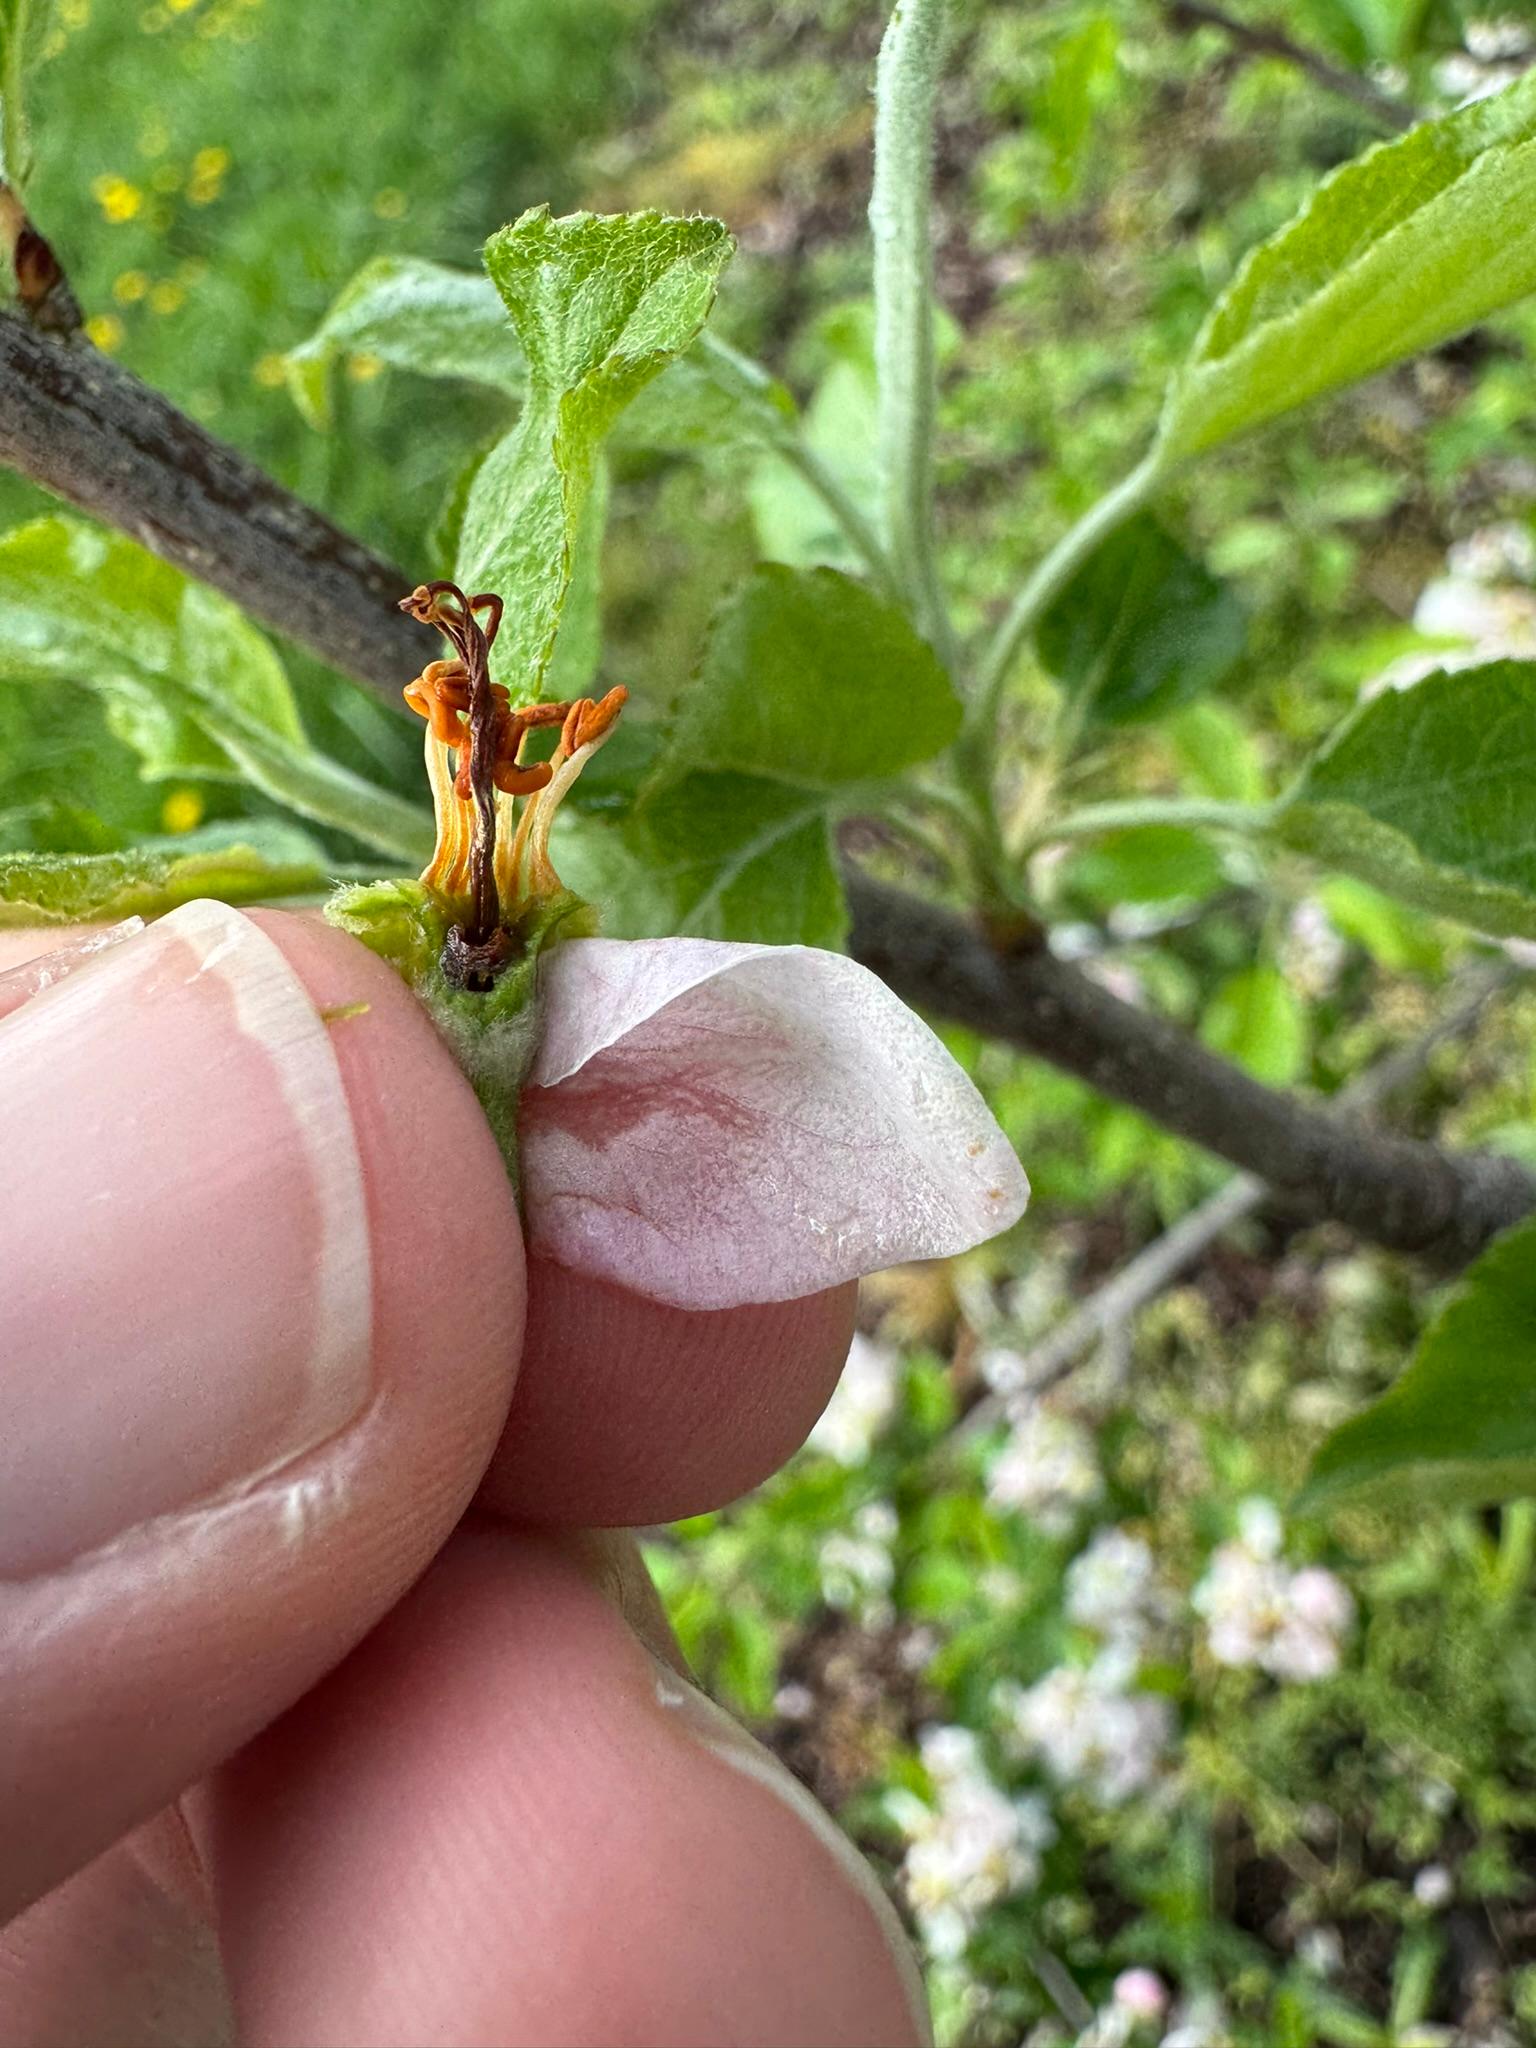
{"x":1123,"y":1296}
{"x":900,"y":210}
{"x":1263,"y":39}
{"x":92,"y":432}
{"x":1050,"y":578}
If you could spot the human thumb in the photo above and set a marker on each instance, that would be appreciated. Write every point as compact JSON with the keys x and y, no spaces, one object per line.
{"x":261,"y":1298}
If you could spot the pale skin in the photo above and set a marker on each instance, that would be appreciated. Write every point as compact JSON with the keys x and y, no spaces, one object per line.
{"x":419,"y":1765}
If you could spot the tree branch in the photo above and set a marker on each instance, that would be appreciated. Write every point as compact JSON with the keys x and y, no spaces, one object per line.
{"x":1397,"y":1191}
{"x":90,"y":431}
{"x":1259,"y":39}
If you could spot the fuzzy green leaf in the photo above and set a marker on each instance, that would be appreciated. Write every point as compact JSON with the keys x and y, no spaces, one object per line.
{"x":81,"y":606}
{"x":413,"y":315}
{"x":600,"y":306}
{"x":811,"y":679}
{"x":248,"y":864}
{"x":709,"y":399}
{"x":1426,"y":794}
{"x":1141,"y":627}
{"x":187,"y":681}
{"x":1401,"y":249}
{"x":1461,"y":1422}
{"x":714,"y":857}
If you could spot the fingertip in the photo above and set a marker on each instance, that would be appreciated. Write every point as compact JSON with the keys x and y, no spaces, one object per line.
{"x":449,"y":1272}
{"x":630,"y":1411}
{"x":501,"y":1821}
{"x":264,"y":1301}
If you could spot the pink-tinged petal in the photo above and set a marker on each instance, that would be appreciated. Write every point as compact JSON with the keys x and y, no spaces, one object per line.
{"x":712,"y":1124}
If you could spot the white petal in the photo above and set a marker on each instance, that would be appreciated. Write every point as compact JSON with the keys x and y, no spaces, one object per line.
{"x":712,"y":1124}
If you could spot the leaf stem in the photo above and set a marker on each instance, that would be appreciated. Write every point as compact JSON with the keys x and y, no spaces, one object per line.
{"x":906,"y":79}
{"x":15,"y":145}
{"x":1199,"y":812}
{"x":861,"y":535}
{"x":1516,"y":1552}
{"x":1052,"y":575}
{"x":749,"y":383}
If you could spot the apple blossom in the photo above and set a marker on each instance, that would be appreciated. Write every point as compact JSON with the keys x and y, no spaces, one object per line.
{"x":705,"y":1123}
{"x":864,"y":1401}
{"x":1260,"y":1612}
{"x":971,"y":1848}
{"x":1047,"y":1469}
{"x":1142,"y":1993}
{"x":1112,"y":1588}
{"x":1093,"y":1733}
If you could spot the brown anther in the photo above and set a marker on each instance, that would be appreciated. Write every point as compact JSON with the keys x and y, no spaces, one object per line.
{"x":587,"y":721}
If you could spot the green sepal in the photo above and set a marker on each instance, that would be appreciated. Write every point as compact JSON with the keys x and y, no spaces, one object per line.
{"x":492,"y":1036}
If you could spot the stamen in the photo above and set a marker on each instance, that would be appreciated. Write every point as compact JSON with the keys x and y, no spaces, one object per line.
{"x":484,"y":864}
{"x":524,"y":869}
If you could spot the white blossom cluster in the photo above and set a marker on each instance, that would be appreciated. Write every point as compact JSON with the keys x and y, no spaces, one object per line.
{"x":1493,"y":55}
{"x":1313,"y":951}
{"x":862,"y":1402}
{"x":1484,"y":600}
{"x":1048,"y":1469}
{"x":1113,"y":1588}
{"x":1091,"y":1729}
{"x":973,"y":1847}
{"x":856,"y":1566}
{"x":1260,"y":1612}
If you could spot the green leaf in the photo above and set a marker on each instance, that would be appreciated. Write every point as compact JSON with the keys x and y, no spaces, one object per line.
{"x":1461,"y":1422}
{"x":413,"y":315}
{"x":794,"y":521}
{"x":1426,"y":794}
{"x":439,"y":322}
{"x":248,"y":865}
{"x":709,"y":399}
{"x":579,"y":649}
{"x":1145,"y":864}
{"x":1217,"y":753}
{"x":1141,"y":627}
{"x":28,"y":37}
{"x":1257,"y":1019}
{"x":811,"y":679}
{"x":811,"y":690}
{"x":715,"y":857}
{"x":1400,"y":938}
{"x":80,"y":605}
{"x":1401,"y":249}
{"x":442,"y":542}
{"x":187,"y":681}
{"x":600,"y":304}
{"x":1082,"y":73}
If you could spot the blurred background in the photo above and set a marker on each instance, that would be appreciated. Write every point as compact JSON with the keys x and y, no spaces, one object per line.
{"x":1142,"y":1757}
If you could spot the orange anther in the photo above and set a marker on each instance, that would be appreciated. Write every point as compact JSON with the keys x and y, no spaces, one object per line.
{"x":587,"y":721}
{"x":441,"y":695}
{"x":517,"y":780}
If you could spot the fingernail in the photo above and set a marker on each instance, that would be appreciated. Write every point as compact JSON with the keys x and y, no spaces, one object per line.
{"x":711,"y":1727}
{"x":185,"y":1293}
{"x":39,"y":970}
